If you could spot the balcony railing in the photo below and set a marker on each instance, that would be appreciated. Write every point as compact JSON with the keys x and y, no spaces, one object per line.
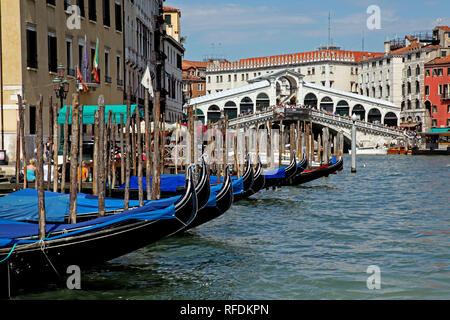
{"x":445,"y":96}
{"x":108,"y":79}
{"x":120,"y":82}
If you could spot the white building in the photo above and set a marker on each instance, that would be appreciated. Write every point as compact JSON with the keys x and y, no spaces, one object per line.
{"x":398,"y":74}
{"x":333,"y":68}
{"x":173,"y":79}
{"x":139,"y":35}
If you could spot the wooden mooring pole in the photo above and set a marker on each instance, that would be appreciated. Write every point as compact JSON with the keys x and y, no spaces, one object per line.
{"x":40,"y":170}
{"x":74,"y":160}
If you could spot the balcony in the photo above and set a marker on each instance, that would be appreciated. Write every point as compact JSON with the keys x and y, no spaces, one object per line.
{"x":445,"y":96}
{"x":120,"y":82}
{"x":108,"y":79}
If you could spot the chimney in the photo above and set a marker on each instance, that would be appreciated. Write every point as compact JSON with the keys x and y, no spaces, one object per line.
{"x":387,"y":47}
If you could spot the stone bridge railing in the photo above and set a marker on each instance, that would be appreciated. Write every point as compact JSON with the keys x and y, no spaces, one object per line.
{"x":316,"y":116}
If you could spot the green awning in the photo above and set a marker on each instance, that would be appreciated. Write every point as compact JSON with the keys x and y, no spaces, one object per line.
{"x":89,"y":113}
{"x":439,"y":130}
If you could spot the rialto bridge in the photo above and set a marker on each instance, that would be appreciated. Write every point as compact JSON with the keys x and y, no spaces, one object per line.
{"x":287,"y":87}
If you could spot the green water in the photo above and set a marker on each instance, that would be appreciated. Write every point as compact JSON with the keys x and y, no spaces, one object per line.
{"x":313,"y":241}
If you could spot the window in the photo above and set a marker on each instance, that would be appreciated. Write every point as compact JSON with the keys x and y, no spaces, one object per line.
{"x":437,"y":72}
{"x":235,"y":77}
{"x":448,"y":108}
{"x":106,"y":13}
{"x":409,"y":87}
{"x":427,"y":73}
{"x":66,"y":4}
{"x":80,"y":4}
{"x":168,"y":19}
{"x":69,"y":58}
{"x":107,"y":73}
{"x":417,"y":55}
{"x":119,"y":70}
{"x":417,"y":87}
{"x":52,"y":53}
{"x":32,"y":61}
{"x":80,"y":54}
{"x":427,"y":90}
{"x":408,"y":72}
{"x":448,"y":71}
{"x":32,"y":120}
{"x":417,"y":70}
{"x":200,"y":87}
{"x":209,"y":79}
{"x":434,"y":122}
{"x":92,"y":7}
{"x":118,"y":11}
{"x":434,"y":109}
{"x":229,"y":78}
{"x":51,"y":2}
{"x":440,"y":89}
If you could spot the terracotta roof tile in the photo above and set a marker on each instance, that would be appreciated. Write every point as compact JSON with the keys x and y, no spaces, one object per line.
{"x":442,"y":60}
{"x":446,"y":28}
{"x":195,"y":64}
{"x":170,"y":9}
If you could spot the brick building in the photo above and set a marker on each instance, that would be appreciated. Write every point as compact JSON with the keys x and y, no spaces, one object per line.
{"x":437,"y":91}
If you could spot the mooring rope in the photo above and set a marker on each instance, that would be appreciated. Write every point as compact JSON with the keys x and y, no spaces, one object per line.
{"x":10,"y":252}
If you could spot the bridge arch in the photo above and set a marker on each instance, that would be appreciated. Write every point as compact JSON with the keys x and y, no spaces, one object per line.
{"x":391,"y":119}
{"x":374,"y":115}
{"x":213,"y":113}
{"x":246,"y":106}
{"x":360,"y":111}
{"x":342,"y":108}
{"x":310,"y":100}
{"x":326,"y":104}
{"x":230,"y":109}
{"x":262,"y":101}
{"x":200,"y":115}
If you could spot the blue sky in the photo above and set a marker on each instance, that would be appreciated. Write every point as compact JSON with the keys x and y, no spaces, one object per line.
{"x":253,"y":28}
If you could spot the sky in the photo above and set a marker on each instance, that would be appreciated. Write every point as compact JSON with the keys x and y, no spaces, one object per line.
{"x":255,"y":28}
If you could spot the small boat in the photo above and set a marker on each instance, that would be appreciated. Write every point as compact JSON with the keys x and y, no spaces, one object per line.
{"x":435,"y":142}
{"x":220,"y":201}
{"x":277,"y":177}
{"x":258,"y":180}
{"x":397,"y":150}
{"x":322,"y":171}
{"x":370,"y":151}
{"x":248,"y":180}
{"x":23,"y":256}
{"x":301,"y":166}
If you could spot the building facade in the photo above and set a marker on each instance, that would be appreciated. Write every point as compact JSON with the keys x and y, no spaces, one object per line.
{"x":398,"y":74}
{"x":194,"y":79}
{"x":172,"y":79}
{"x":437,"y":91}
{"x":139,"y":40}
{"x":39,"y":36}
{"x":330,"y":67}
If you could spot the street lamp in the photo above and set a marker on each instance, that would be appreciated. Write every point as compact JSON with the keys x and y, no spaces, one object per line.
{"x":60,"y":85}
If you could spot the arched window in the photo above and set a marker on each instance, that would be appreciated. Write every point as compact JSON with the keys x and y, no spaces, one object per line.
{"x":311,"y":100}
{"x":230,"y":109}
{"x":213,"y":113}
{"x":262,"y":101}
{"x":359,"y":111}
{"x":326,"y":104}
{"x":342,"y":108}
{"x":246,"y":105}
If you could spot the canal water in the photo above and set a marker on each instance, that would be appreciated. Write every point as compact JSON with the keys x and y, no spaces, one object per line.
{"x":314,"y":241}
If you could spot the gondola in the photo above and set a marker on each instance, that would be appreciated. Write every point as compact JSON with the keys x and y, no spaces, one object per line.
{"x":248,"y":180}
{"x":275,"y":178}
{"x":322,"y":171}
{"x":258,"y":180}
{"x":25,"y":261}
{"x":301,"y":166}
{"x":220,"y":201}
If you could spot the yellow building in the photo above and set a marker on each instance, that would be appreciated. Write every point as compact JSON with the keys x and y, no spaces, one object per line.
{"x":172,"y":18}
{"x":39,"y":36}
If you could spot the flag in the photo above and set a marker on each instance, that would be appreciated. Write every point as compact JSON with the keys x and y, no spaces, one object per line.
{"x":95,"y":64}
{"x":147,"y":82}
{"x":85,"y":66}
{"x":80,"y":77}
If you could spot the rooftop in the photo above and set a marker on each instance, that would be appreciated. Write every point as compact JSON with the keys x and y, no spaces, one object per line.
{"x":442,"y":60}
